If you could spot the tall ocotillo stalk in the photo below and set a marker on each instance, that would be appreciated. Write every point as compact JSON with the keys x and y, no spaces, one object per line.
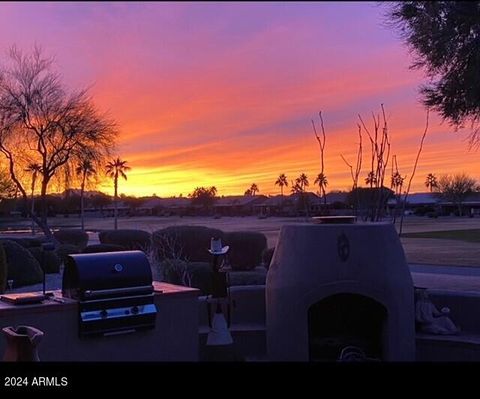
{"x":358,"y":167}
{"x":380,"y":145}
{"x":413,"y":172}
{"x":321,"y":178}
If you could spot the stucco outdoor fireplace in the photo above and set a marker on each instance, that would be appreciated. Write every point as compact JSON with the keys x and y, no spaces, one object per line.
{"x":335,"y":287}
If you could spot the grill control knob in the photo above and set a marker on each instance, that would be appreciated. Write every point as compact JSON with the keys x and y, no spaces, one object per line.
{"x":118,"y":268}
{"x":103,"y":314}
{"x":135,"y":309}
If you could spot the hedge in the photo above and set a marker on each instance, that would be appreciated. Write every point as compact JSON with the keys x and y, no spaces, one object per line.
{"x":23,"y":268}
{"x":103,"y":248}
{"x":185,"y":242}
{"x":73,"y":237}
{"x":246,"y":248}
{"x":51,"y":260}
{"x":129,"y":239}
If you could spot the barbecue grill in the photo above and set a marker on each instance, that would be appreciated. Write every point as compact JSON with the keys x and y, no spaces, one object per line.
{"x":114,"y":292}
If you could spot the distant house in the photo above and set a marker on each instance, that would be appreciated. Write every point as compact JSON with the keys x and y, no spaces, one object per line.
{"x":293,"y":205}
{"x":165,"y":206}
{"x":421,"y":203}
{"x":238,"y":205}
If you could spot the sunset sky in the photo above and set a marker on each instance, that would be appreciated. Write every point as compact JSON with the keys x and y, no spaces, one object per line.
{"x":223,"y":93}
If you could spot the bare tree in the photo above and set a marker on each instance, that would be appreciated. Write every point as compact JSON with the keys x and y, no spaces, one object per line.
{"x":455,"y":189}
{"x":413,"y":172}
{"x":380,"y":147}
{"x":41,"y":122}
{"x":321,"y":177}
{"x":358,"y":167}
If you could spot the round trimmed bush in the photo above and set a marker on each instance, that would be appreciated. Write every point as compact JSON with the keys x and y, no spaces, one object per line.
{"x":51,"y":259}
{"x":129,"y":239}
{"x":27,"y":242}
{"x":246,"y":248}
{"x":267,"y":257}
{"x":66,"y":249}
{"x":103,"y":248}
{"x":185,"y":242}
{"x":22,"y":267}
{"x":74,"y":237}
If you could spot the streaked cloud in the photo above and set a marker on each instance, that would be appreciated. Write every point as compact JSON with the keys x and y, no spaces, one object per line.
{"x":223,"y":94}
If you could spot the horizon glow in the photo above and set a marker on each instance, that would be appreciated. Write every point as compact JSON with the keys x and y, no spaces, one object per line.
{"x":223,"y":94}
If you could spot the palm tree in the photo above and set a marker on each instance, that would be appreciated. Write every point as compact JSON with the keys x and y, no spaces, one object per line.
{"x":397,"y":183}
{"x":322,"y":182}
{"x":34,"y":168}
{"x":254,"y":189}
{"x":282,"y":182}
{"x":84,"y":169}
{"x":431,"y":181}
{"x":302,"y":180}
{"x":114,"y":169}
{"x":371,"y":179}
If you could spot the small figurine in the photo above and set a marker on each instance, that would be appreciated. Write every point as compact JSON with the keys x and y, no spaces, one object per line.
{"x":429,"y":319}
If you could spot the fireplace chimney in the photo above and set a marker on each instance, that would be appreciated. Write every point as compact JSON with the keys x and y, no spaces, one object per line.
{"x":337,"y":289}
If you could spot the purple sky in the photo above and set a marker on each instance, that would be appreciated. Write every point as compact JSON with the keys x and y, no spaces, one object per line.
{"x":223,"y":93}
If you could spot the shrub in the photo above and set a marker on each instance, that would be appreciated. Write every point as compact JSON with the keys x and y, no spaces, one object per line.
{"x":129,"y":239}
{"x":267,"y":257}
{"x":246,"y":248}
{"x":192,"y":274}
{"x":3,"y":269}
{"x":200,"y":276}
{"x":66,"y":249}
{"x":51,"y":260}
{"x":103,"y":248}
{"x":257,"y":276}
{"x":173,"y":271}
{"x":185,"y":242}
{"x":27,"y":242}
{"x":74,"y":237}
{"x":22,"y":267}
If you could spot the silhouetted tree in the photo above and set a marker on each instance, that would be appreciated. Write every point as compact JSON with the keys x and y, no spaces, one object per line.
{"x":85,"y":170}
{"x":322,"y":182}
{"x":34,"y":169}
{"x":204,"y":196}
{"x":254,"y":189}
{"x":281,"y":182}
{"x":431,"y":181}
{"x":302,"y":181}
{"x":42,"y":122}
{"x":455,"y":189}
{"x":115,"y":169}
{"x":443,"y":37}
{"x":321,"y":178}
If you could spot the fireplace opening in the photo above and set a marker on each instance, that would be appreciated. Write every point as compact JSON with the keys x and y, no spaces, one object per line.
{"x":344,"y":323}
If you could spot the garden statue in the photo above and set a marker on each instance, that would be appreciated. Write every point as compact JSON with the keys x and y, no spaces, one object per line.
{"x":429,"y":319}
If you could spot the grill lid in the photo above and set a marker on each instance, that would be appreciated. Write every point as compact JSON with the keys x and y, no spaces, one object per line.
{"x":106,"y":274}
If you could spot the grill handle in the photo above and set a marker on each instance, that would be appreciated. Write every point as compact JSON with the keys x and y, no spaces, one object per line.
{"x":91,"y":294}
{"x":121,"y":332}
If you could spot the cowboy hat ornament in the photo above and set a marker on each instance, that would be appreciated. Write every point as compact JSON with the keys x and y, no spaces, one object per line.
{"x":216,"y":247}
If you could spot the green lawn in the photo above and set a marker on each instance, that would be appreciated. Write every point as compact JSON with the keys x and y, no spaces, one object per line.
{"x":472,"y":235}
